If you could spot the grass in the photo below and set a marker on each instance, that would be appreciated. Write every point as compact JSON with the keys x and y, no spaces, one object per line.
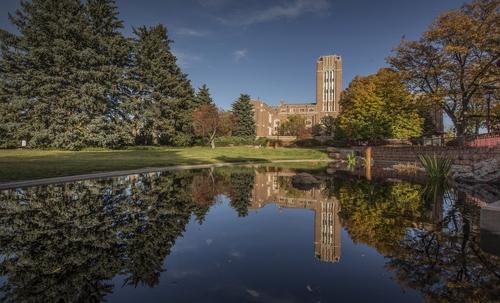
{"x":18,"y":164}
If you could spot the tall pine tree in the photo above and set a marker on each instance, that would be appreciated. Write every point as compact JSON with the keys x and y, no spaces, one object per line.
{"x":161,"y":98}
{"x":243,"y":117}
{"x":59,"y":76}
{"x":203,"y":96}
{"x":112,"y":55}
{"x":240,"y":195}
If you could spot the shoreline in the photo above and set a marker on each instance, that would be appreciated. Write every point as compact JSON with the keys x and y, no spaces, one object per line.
{"x":117,"y":173}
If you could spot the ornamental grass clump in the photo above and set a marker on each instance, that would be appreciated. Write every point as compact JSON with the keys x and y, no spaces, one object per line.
{"x":351,"y":160}
{"x":437,"y":167}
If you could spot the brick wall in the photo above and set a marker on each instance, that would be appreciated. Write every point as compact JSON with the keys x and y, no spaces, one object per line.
{"x":459,"y":155}
{"x":485,"y":140}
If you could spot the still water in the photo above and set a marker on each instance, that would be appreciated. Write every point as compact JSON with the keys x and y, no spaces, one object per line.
{"x":245,"y":234}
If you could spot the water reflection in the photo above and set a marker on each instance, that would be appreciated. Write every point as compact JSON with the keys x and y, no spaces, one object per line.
{"x":276,"y":188}
{"x":68,"y":242}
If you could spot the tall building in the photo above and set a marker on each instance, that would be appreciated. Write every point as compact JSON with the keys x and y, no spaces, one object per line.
{"x":328,"y":89}
{"x":328,"y":84}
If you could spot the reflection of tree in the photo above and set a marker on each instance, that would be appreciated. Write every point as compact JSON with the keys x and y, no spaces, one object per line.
{"x":52,"y":238}
{"x":440,"y":259}
{"x":240,"y":193}
{"x":378,"y":214}
{"x":65,"y":242}
{"x":205,"y":188}
{"x":448,"y":265}
{"x":159,"y":216}
{"x":285,"y":184}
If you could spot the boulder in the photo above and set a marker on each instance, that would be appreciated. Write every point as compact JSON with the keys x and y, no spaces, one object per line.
{"x":481,"y":171}
{"x":335,"y":156}
{"x":461,"y":172}
{"x":304,"y":181}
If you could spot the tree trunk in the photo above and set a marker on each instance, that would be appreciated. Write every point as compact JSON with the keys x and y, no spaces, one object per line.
{"x":460,"y":132}
{"x":212,"y":139}
{"x":154,"y":137}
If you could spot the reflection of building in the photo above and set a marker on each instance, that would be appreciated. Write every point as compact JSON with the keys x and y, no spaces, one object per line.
{"x":328,"y":89}
{"x":269,"y":189}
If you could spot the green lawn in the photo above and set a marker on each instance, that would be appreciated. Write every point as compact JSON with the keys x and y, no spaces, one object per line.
{"x":32,"y":164}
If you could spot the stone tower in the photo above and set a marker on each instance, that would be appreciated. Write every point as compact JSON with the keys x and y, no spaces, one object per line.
{"x":328,"y":85}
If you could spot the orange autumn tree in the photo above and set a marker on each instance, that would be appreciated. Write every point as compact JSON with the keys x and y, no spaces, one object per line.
{"x":209,"y":122}
{"x":453,"y":62}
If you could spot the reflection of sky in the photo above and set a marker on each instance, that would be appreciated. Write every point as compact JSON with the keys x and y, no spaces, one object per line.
{"x":449,"y":211}
{"x":267,"y":256}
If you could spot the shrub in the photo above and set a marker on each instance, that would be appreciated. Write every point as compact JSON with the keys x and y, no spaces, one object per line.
{"x":436,"y":167}
{"x":262,"y":141}
{"x":233,"y":140}
{"x":307,"y":143}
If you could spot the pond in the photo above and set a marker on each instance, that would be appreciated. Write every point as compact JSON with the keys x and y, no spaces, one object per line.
{"x":244,"y":234}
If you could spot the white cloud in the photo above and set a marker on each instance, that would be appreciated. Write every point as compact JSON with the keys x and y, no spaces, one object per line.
{"x":184,"y":31}
{"x":289,"y":10}
{"x":240,"y":55}
{"x":186,"y":60}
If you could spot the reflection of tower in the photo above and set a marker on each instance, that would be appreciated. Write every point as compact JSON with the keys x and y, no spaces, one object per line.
{"x":267,"y":189}
{"x":327,"y":231}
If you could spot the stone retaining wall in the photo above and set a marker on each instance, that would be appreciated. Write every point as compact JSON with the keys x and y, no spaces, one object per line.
{"x":472,"y":163}
{"x":469,"y":163}
{"x":458,"y":155}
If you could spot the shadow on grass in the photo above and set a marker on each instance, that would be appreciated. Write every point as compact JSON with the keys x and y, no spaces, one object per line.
{"x":240,"y":159}
{"x":36,"y":166}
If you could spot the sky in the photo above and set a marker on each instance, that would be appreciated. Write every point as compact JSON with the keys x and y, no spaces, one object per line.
{"x":268,"y":48}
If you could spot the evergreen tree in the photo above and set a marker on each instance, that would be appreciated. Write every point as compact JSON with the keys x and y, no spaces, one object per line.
{"x":203,"y":97}
{"x":240,"y":195}
{"x":111,"y":59}
{"x":59,"y":75}
{"x":243,"y":117}
{"x":161,"y":99}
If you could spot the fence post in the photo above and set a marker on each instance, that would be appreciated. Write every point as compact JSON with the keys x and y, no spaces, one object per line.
{"x":368,"y":163}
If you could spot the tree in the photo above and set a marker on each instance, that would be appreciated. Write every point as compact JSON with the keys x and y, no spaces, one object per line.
{"x":59,"y":75}
{"x":210,"y":122}
{"x":241,"y":189}
{"x":495,"y":118}
{"x":326,"y":127}
{"x":203,"y":96}
{"x":377,"y":107}
{"x":454,"y":59}
{"x":404,"y":120}
{"x":161,"y":99}
{"x":244,"y":122}
{"x":295,"y":125}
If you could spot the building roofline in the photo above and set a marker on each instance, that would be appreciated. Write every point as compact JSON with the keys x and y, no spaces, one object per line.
{"x":283,"y":104}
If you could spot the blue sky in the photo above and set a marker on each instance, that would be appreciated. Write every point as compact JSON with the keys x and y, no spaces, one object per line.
{"x":268,"y":48}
